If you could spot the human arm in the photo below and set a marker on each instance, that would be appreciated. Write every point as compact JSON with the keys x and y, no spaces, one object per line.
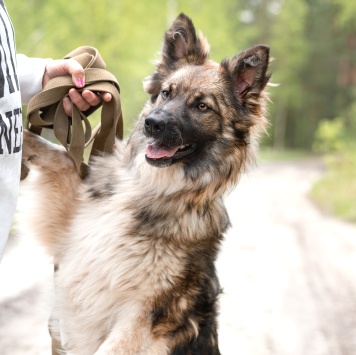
{"x":34,"y":74}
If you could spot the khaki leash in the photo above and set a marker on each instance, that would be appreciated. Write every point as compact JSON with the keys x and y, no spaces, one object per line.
{"x":45,"y":110}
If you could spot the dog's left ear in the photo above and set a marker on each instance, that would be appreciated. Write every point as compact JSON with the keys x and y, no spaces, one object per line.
{"x":181,"y":45}
{"x":248,"y":70}
{"x":182,"y":42}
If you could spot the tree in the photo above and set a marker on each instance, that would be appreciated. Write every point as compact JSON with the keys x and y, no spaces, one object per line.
{"x":290,"y":49}
{"x":313,"y":41}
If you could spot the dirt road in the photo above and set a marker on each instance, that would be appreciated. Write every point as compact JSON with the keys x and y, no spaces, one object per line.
{"x":288,"y":272}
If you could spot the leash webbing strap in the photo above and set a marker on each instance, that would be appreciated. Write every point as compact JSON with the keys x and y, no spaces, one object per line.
{"x":45,"y":110}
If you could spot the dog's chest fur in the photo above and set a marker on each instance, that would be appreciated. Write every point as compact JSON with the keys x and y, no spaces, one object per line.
{"x":152,"y":239}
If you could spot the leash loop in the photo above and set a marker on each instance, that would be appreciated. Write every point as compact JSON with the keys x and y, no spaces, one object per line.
{"x":45,"y":110}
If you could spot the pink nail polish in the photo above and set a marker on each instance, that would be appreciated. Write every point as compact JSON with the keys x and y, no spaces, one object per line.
{"x":80,"y":82}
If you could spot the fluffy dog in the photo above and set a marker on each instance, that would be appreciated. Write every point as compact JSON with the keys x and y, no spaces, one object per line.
{"x":136,"y":241}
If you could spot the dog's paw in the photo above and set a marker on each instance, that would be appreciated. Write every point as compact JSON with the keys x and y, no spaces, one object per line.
{"x":33,"y":145}
{"x":24,"y":171}
{"x":28,"y":152}
{"x":42,"y":153}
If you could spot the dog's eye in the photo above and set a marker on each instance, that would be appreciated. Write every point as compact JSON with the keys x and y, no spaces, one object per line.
{"x":164,"y":94}
{"x":202,"y":107}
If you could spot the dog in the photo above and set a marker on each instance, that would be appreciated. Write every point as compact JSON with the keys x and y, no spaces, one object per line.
{"x":135,"y":241}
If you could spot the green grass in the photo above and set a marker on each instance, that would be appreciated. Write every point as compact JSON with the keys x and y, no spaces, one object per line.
{"x":335,"y":192}
{"x":269,"y":154}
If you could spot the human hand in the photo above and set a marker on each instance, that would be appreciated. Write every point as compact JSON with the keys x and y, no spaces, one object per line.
{"x":83,"y":100}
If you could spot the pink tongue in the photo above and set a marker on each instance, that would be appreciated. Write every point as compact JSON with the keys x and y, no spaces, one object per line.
{"x":155,"y":151}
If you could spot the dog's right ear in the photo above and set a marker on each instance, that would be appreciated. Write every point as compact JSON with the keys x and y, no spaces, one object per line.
{"x":248,"y":70}
{"x":181,"y":45}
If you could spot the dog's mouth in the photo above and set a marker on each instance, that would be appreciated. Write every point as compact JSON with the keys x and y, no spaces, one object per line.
{"x":159,"y":154}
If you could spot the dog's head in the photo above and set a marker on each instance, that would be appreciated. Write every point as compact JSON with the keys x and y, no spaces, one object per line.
{"x":200,"y":112}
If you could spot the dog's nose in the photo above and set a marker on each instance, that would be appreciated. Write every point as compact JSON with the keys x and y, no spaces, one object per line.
{"x":154,"y":126}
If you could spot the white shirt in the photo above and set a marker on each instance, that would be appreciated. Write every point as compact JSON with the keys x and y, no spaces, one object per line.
{"x":15,"y":72}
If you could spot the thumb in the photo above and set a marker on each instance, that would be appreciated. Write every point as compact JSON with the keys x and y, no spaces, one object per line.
{"x":73,"y":68}
{"x":61,"y":67}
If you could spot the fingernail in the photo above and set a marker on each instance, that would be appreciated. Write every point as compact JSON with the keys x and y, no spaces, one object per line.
{"x":80,"y":82}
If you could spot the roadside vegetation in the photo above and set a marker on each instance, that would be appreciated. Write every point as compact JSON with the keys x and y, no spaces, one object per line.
{"x":313,"y":44}
{"x":335,"y":192}
{"x":268,"y":154}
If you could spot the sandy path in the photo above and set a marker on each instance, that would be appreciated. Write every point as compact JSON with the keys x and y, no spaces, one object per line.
{"x":288,"y":272}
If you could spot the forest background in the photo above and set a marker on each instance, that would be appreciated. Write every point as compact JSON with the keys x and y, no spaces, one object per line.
{"x":313,"y":43}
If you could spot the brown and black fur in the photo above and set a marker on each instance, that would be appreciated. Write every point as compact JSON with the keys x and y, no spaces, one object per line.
{"x":136,"y":241}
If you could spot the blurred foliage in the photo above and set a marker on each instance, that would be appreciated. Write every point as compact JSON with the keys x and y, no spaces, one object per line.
{"x":313,"y":43}
{"x":273,"y":155}
{"x":335,"y":192}
{"x":330,"y":136}
{"x":346,"y":13}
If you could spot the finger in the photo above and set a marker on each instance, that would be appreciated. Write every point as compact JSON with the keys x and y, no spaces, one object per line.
{"x":78,"y":100}
{"x":106,"y":96}
{"x":92,"y":98}
{"x":76,"y":71}
{"x":67,"y":105}
{"x":95,"y":98}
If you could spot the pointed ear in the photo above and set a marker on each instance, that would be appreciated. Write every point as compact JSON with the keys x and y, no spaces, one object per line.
{"x":248,"y":70}
{"x":182,"y":42}
{"x":181,"y":45}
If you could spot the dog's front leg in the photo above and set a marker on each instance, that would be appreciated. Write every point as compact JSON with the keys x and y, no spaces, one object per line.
{"x":55,"y":186}
{"x":130,"y":348}
{"x":137,"y":341}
